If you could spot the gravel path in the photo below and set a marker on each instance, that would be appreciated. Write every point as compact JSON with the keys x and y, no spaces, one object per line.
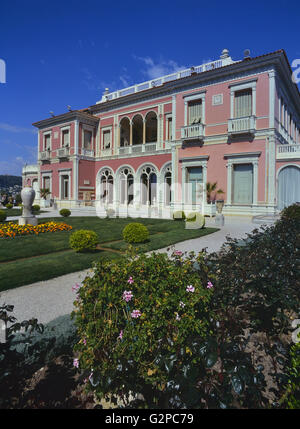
{"x":49,"y":299}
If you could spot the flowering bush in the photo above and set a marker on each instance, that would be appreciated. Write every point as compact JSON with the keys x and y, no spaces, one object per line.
{"x":135,"y":233}
{"x":11,"y":229}
{"x":2,"y":215}
{"x":140,"y":322}
{"x":65,"y":212}
{"x":83,"y":239}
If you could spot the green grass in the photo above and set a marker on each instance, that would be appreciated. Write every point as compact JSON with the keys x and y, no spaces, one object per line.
{"x":29,"y":259}
{"x":18,"y":212}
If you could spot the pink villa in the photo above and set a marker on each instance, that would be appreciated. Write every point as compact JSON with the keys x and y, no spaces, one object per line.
{"x":156,"y":144}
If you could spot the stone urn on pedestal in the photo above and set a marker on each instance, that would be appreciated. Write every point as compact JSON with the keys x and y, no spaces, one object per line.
{"x":219,"y":217}
{"x":27,"y":195}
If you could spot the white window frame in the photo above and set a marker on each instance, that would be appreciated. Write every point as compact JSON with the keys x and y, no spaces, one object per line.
{"x":167,"y":117}
{"x":103,"y":130}
{"x":62,"y":173}
{"x":67,"y":128}
{"x":45,"y":134}
{"x":235,"y":87}
{"x":194,"y":97}
{"x":47,"y":174}
{"x":92,"y":130}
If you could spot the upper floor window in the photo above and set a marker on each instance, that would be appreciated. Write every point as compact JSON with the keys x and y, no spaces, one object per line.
{"x":65,"y":138}
{"x":194,"y":112}
{"x":106,"y":139}
{"x":169,"y":128}
{"x":243,"y":103}
{"x":87,"y":139}
{"x":47,"y":141}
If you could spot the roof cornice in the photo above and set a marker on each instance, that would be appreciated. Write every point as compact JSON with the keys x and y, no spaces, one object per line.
{"x":69,"y":116}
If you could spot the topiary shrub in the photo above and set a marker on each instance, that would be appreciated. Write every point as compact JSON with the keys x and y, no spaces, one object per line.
{"x":2,"y":215}
{"x":83,"y":240}
{"x":195,"y":220}
{"x":36,"y":208}
{"x":179,"y":215}
{"x":65,"y":212}
{"x":291,"y":212}
{"x":9,"y":206}
{"x":135,"y":233}
{"x":141,"y":321}
{"x":191,"y":217}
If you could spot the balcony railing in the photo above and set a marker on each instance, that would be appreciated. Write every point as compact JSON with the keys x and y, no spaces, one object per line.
{"x":192,"y":132}
{"x":167,"y":78}
{"x":138,"y":148}
{"x":288,"y":151}
{"x":244,"y":125}
{"x":45,"y":155}
{"x":87,"y":152}
{"x":63,"y":152}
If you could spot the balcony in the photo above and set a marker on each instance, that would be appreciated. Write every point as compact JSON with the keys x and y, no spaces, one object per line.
{"x":63,"y":152}
{"x":45,"y":155}
{"x":288,"y":151}
{"x":192,"y":132}
{"x":139,"y":148}
{"x":244,"y":125}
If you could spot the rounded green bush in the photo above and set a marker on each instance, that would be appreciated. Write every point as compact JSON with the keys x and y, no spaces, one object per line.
{"x":83,"y":239}
{"x":65,"y":212}
{"x":2,"y":215}
{"x":36,"y":208}
{"x":291,"y":212}
{"x":9,"y":206}
{"x":135,"y":233}
{"x":179,"y":215}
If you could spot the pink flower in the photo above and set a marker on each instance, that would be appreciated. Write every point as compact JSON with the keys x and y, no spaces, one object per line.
{"x":135,"y":314}
{"x":84,"y":341}
{"x":190,"y":288}
{"x":76,"y":363}
{"x":178,"y":253}
{"x":130,"y":280}
{"x":75,"y":287}
{"x":209,"y":285}
{"x":120,"y":335}
{"x":127,"y":295}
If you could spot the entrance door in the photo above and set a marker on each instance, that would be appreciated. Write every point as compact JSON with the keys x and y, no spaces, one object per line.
{"x":195,"y":179}
{"x":243,"y":184}
{"x":288,"y":186}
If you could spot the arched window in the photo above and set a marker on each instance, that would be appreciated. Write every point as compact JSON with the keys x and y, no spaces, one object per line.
{"x":148,"y":185}
{"x":137,"y":130}
{"x":126,"y":185}
{"x":167,"y":186}
{"x":124,"y":132}
{"x":106,"y":187}
{"x":151,"y":127}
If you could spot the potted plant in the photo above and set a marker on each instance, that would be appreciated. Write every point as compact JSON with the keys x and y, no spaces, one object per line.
{"x":44,"y":192}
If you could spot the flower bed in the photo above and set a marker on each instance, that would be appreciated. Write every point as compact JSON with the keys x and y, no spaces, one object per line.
{"x":11,"y":229}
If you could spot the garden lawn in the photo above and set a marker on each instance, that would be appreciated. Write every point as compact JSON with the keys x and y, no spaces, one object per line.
{"x":28,"y":259}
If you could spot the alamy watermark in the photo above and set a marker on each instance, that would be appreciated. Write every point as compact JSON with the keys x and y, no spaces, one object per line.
{"x":2,"y":71}
{"x":296,"y":73}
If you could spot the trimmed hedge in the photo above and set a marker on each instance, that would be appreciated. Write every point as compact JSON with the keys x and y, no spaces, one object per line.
{"x":36,"y":208}
{"x":2,"y":215}
{"x":9,"y":206}
{"x":83,"y":240}
{"x":179,"y":215}
{"x":135,"y":233}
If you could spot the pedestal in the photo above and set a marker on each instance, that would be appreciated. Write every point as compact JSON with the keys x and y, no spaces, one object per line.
{"x":219,"y":219}
{"x":32,"y":220}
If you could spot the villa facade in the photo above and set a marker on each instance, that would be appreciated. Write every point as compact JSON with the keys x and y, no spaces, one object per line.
{"x":155,"y":145}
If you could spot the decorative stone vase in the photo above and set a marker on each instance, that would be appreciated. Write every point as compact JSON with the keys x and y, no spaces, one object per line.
{"x":27,"y":195}
{"x":219,"y":206}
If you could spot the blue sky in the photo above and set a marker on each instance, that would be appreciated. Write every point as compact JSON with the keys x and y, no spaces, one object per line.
{"x":66,"y":52}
